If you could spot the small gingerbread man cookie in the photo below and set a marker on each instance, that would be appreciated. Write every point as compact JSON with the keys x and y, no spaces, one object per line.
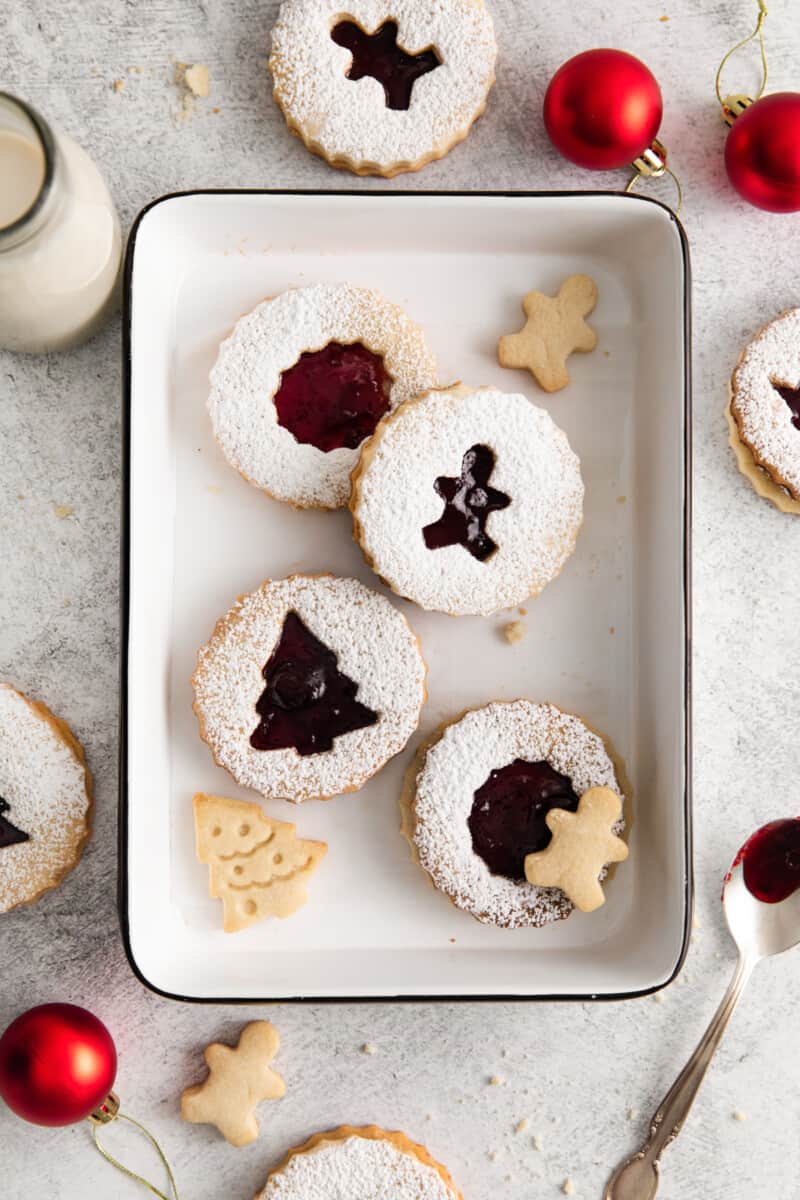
{"x":554,"y":329}
{"x":239,"y":1079}
{"x":582,"y":844}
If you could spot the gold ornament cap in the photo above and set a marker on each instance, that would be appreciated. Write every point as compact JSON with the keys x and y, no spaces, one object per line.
{"x":734,"y":106}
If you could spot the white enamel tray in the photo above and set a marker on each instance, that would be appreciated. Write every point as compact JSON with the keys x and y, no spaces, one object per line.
{"x":608,"y":639}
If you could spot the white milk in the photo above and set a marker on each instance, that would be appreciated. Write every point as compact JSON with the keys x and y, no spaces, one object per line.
{"x":58,"y":283}
{"x":21,"y":175}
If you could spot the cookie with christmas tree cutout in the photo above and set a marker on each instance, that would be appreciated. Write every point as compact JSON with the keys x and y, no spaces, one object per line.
{"x":304,"y":378}
{"x":476,"y":801}
{"x":45,"y":799}
{"x":467,"y":501}
{"x":366,"y":1163}
{"x":764,"y":412}
{"x":379,"y":87}
{"x":258,"y":867}
{"x":308,"y":686}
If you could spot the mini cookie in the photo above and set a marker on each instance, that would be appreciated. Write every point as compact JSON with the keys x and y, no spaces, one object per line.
{"x":308,"y":686}
{"x":553,"y":330}
{"x":45,"y":799}
{"x":304,"y":378}
{"x":258,"y":867}
{"x":475,"y":804}
{"x":359,"y":1164}
{"x":583,"y":844}
{"x":764,"y":411}
{"x":239,"y":1079}
{"x":467,"y":501}
{"x":382,"y":86}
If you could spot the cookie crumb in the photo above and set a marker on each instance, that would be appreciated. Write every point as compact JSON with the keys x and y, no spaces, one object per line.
{"x":695,"y":922}
{"x":568,"y":1187}
{"x":522,"y":1125}
{"x":453,"y":940}
{"x":523,"y":612}
{"x":197,"y":80}
{"x":118,"y":85}
{"x":738,"y":1115}
{"x":67,"y":602}
{"x":63,"y":511}
{"x":621,"y":499}
{"x":214,"y":488}
{"x":536,"y":1142}
{"x":633,"y":1114}
{"x":496,"y":1081}
{"x":368,"y":1048}
{"x":659,"y":997}
{"x":134,"y":70}
{"x":492,"y":1155}
{"x":611,"y":630}
{"x":515,"y":631}
{"x":664,"y":18}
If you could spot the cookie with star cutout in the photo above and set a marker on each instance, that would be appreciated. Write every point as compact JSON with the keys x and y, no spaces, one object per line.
{"x":45,"y":799}
{"x":467,"y":501}
{"x":308,"y":686}
{"x":764,"y":412}
{"x":379,"y":87}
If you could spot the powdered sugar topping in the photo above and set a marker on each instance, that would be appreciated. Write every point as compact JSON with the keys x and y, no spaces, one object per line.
{"x":457,"y":765}
{"x":374,"y":646}
{"x":763,"y":417}
{"x":44,"y":783}
{"x":356,"y":1168}
{"x":269,"y":340}
{"x":347,"y":119}
{"x":534,"y":465}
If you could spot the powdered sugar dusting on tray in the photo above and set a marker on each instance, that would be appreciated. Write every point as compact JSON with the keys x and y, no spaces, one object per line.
{"x":762,"y":415}
{"x":44,"y":783}
{"x":356,"y":1168}
{"x":375,"y":647}
{"x":458,"y":764}
{"x":269,"y":340}
{"x":349,"y":118}
{"x":534,"y":465}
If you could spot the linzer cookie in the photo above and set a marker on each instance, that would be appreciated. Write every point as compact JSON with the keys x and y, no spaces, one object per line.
{"x":45,"y":799}
{"x":764,"y":411}
{"x":476,"y":801}
{"x":382,"y":86}
{"x":467,"y":501}
{"x":308,"y":686}
{"x":304,"y":378}
{"x":365,"y":1163}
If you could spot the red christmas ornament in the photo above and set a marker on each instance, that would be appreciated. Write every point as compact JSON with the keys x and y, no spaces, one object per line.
{"x":57,"y":1064}
{"x":603,"y":109}
{"x":762,"y":153}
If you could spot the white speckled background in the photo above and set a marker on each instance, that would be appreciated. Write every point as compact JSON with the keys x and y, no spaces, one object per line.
{"x":573,"y":1071}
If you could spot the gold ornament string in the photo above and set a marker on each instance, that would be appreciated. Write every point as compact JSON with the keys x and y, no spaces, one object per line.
{"x":126,"y":1170}
{"x":665,"y":170}
{"x":758,"y":32}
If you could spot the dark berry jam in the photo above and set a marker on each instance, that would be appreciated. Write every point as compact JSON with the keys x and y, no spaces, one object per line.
{"x":9,"y":834}
{"x":308,"y":701}
{"x":771,"y":861}
{"x":507,"y":821}
{"x":792,"y":398}
{"x":334,"y":397}
{"x":378,"y":55}
{"x":468,"y":502}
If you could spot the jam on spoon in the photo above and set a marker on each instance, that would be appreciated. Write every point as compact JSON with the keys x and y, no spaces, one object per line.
{"x":379,"y":55}
{"x":792,"y":397}
{"x":507,"y":821}
{"x":771,"y":861}
{"x":333,"y":398}
{"x":308,"y":701}
{"x":468,"y":502}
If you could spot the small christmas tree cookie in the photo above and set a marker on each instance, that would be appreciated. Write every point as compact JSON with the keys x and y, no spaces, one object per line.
{"x":258,"y":867}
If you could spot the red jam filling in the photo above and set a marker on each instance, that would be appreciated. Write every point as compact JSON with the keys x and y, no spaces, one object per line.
{"x":771,"y":861}
{"x":9,"y":834}
{"x":378,"y":55}
{"x":792,"y":398}
{"x":333,"y":398}
{"x":468,"y":501}
{"x":308,"y":701}
{"x":507,"y":821}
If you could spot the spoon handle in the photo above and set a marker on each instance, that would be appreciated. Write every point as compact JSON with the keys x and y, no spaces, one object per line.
{"x":637,"y":1179}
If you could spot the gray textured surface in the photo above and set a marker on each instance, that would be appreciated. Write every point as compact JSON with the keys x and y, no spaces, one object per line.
{"x":573,"y":1071}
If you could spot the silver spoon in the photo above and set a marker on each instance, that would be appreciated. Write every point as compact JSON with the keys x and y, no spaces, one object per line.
{"x":760,"y":930}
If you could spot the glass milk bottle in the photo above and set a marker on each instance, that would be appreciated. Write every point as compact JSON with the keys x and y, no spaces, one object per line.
{"x":60,"y":243}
